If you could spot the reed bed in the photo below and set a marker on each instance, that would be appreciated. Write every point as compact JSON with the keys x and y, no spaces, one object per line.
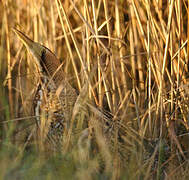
{"x":128,"y":61}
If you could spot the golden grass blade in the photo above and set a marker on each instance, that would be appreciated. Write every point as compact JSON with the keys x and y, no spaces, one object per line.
{"x":69,"y":47}
{"x":77,"y":49}
{"x":128,"y":61}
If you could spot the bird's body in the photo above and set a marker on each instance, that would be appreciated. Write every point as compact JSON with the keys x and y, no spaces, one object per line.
{"x":54,"y":98}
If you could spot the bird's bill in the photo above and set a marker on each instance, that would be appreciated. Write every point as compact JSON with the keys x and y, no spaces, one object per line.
{"x":35,"y":48}
{"x":26,"y":41}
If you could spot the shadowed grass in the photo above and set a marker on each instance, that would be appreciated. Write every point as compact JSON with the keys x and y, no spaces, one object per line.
{"x":128,"y":61}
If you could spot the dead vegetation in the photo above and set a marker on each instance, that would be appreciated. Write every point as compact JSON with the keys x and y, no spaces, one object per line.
{"x":128,"y":60}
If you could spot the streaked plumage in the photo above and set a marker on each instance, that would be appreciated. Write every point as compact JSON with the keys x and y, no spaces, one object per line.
{"x":53,"y":105}
{"x":54,"y":99}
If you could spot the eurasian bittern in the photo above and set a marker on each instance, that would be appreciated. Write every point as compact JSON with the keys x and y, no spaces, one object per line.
{"x":55,"y":98}
{"x":54,"y":95}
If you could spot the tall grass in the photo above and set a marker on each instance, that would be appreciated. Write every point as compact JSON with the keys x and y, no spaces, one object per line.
{"x":128,"y":59}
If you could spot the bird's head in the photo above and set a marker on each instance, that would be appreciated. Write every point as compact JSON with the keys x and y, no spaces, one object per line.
{"x":34,"y":48}
{"x":46,"y":61}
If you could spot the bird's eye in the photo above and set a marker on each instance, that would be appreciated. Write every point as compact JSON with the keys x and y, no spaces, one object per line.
{"x":43,"y":54}
{"x":42,"y":60}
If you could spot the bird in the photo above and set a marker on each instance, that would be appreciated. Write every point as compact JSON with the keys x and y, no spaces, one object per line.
{"x":54,"y":98}
{"x":53,"y":106}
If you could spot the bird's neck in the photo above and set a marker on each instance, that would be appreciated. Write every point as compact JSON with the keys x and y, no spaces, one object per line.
{"x":51,"y":67}
{"x":55,"y":78}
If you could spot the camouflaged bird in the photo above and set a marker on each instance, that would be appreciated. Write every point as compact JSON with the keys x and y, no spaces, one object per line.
{"x":54,"y":99}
